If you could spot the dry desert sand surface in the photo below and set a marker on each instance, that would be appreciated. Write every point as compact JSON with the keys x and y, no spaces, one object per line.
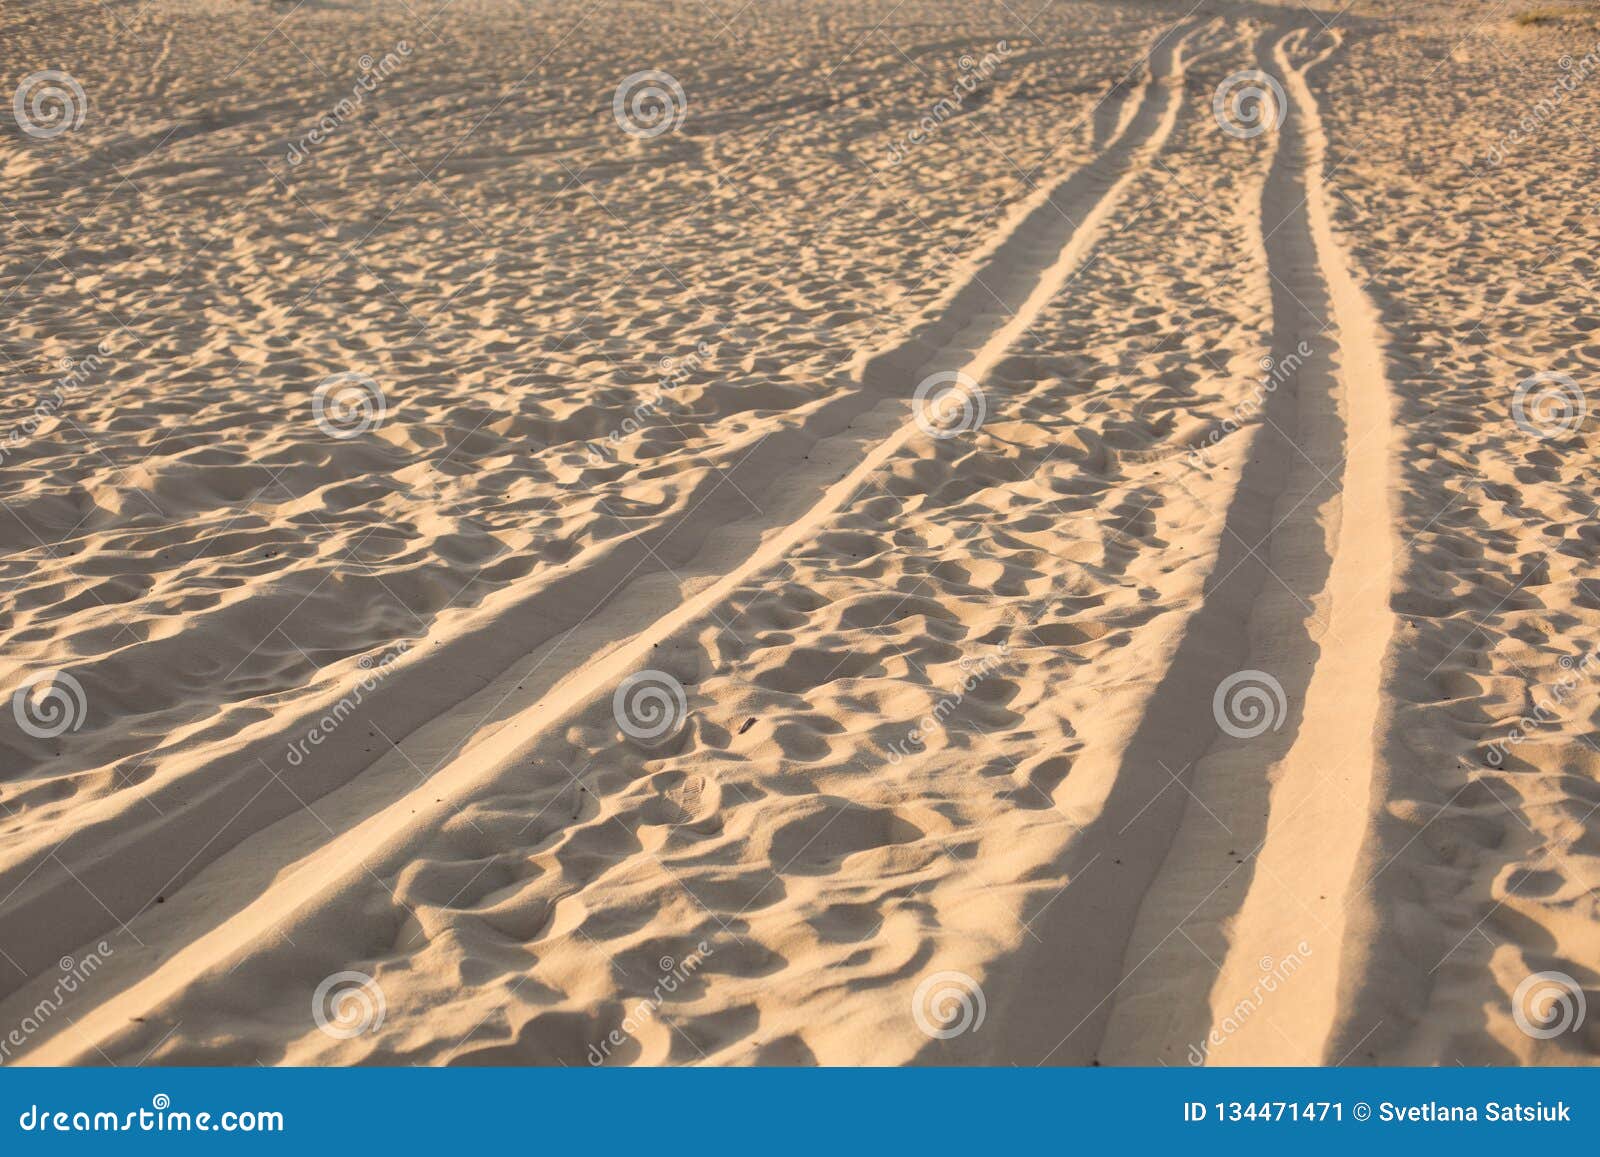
{"x":901,"y":531}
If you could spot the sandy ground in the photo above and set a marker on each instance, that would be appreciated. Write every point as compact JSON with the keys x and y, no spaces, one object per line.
{"x":868,"y":533}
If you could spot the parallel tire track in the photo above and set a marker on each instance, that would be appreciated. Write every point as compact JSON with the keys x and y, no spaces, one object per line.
{"x":506,"y":658}
{"x":1050,"y":237}
{"x":1264,"y":868}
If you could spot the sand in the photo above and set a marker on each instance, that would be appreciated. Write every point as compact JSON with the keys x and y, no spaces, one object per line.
{"x":883,"y":533}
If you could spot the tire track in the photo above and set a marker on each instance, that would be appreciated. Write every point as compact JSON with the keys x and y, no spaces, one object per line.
{"x":479,"y":674}
{"x":262,"y":894}
{"x":1262,"y":889}
{"x":1325,"y":796}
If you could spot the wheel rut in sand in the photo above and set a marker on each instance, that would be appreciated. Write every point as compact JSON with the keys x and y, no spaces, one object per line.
{"x":1261,"y":888}
{"x":1050,"y":237}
